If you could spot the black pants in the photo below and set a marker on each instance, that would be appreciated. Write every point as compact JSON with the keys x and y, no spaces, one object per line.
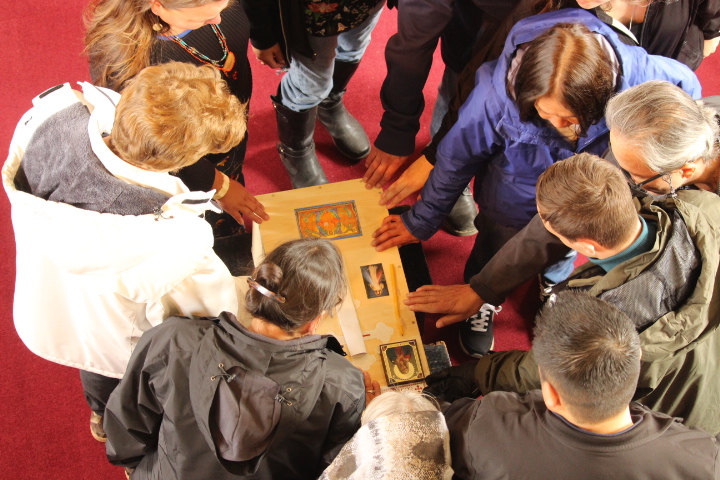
{"x":97,"y":389}
{"x":490,"y":239}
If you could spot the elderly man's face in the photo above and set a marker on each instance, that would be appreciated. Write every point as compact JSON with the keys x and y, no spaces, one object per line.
{"x":638,"y":172}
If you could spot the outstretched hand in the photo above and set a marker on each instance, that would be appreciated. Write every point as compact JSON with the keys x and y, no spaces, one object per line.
{"x":381,"y":166}
{"x":411,"y":181}
{"x":238,"y":202}
{"x":457,"y":302}
{"x":392,"y":233}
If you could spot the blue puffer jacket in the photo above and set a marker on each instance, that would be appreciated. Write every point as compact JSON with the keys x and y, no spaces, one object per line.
{"x":507,"y":155}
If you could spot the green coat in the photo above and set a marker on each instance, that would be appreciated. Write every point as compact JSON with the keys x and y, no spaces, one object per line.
{"x":680,"y":370}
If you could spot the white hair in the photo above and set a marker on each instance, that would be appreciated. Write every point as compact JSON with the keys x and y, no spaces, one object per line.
{"x":392,"y":402}
{"x":664,"y":125}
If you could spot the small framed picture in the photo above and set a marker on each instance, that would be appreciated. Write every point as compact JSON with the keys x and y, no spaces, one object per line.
{"x":401,"y":362}
{"x":374,"y":280}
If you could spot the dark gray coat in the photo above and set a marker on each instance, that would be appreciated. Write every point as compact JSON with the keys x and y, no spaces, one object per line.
{"x":508,"y":436}
{"x":284,"y":409}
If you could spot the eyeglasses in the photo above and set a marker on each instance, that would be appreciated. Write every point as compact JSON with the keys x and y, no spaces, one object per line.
{"x":639,"y":186}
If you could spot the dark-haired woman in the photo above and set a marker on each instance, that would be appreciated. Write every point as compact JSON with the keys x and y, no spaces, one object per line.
{"x":542,"y":101}
{"x":209,"y":398}
{"x":125,"y":36}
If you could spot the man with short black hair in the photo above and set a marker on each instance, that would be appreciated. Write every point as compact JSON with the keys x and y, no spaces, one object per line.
{"x":581,"y":423}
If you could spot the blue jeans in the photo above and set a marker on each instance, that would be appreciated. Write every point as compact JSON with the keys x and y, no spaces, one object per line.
{"x":446,"y":91}
{"x":309,"y":81}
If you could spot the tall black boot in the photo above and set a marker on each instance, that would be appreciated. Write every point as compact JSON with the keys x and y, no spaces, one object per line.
{"x":296,"y":147}
{"x":347,"y":133}
{"x":460,"y":220}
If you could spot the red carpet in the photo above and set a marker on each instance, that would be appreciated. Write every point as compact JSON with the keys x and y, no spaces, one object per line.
{"x":43,"y":416}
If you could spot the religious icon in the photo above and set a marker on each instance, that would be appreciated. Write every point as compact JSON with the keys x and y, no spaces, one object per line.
{"x":374,"y":280}
{"x":401,"y":362}
{"x":333,"y":221}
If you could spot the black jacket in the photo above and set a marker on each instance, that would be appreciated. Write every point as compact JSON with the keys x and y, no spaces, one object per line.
{"x":508,"y":436}
{"x":206,"y":398}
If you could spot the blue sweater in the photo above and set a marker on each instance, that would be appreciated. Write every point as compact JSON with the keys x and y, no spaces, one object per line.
{"x":489,"y":134}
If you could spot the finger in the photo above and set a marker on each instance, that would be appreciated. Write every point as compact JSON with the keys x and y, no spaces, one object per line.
{"x":376,"y":177}
{"x":237,"y":215}
{"x":391,"y":192}
{"x":259,"y":211}
{"x":430,"y":288}
{"x":369,"y":160}
{"x":383,"y":245}
{"x":449,"y":320}
{"x":273,"y":64}
{"x":430,"y":306}
{"x":388,"y":173}
{"x":398,"y":196}
{"x":280,"y":58}
{"x":367,"y":380}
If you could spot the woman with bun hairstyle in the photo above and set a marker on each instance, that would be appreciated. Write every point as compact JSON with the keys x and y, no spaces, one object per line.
{"x":211,"y":398}
{"x":125,"y":36}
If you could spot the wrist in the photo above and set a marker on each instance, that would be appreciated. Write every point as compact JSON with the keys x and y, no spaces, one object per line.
{"x":224,"y":188}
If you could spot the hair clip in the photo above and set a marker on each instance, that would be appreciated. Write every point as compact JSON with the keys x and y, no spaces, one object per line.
{"x":278,"y":298}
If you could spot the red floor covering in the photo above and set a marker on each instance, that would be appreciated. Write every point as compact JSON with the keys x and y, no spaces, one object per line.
{"x":43,"y":417}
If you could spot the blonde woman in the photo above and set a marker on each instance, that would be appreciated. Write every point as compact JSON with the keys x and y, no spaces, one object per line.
{"x":109,"y":244}
{"x":125,"y":36}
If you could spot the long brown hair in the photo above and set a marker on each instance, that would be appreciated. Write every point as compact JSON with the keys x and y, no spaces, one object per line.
{"x":568,"y":63}
{"x":120,"y":36}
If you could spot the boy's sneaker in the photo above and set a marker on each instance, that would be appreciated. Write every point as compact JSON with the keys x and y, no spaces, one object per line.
{"x":476,"y":333}
{"x":96,"y":427}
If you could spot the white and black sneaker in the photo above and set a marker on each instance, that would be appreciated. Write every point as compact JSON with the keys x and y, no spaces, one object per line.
{"x":476,"y":333}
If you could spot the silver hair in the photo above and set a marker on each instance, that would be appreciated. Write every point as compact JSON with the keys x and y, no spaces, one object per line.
{"x":392,"y":402}
{"x":664,"y":124}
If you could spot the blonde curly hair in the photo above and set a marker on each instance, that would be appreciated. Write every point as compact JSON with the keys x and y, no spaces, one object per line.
{"x":173,"y":114}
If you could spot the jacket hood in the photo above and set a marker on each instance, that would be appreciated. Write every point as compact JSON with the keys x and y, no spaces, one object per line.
{"x":527,"y":30}
{"x":85,"y":242}
{"x":249,"y":391}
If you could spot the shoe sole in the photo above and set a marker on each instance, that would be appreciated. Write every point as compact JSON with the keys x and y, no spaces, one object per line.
{"x":474,"y":355}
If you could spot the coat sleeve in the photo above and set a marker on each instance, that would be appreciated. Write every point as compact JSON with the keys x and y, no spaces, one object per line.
{"x":526,"y":255}
{"x":409,"y":56}
{"x":133,"y":414}
{"x":467,"y":148}
{"x":263,"y":16}
{"x":708,"y":18}
{"x":488,"y":47}
{"x":509,"y":371}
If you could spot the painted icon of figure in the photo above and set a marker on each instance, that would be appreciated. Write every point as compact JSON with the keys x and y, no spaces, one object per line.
{"x":400,"y":357}
{"x":375,"y":278}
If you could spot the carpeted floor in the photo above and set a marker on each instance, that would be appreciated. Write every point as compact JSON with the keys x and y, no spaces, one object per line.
{"x":43,"y":417}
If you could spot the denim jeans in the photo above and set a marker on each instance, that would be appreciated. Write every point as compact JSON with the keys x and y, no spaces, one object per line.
{"x":309,"y":81}
{"x":446,"y":91}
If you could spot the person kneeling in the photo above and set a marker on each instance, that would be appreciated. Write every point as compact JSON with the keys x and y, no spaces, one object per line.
{"x":654,"y":260}
{"x":580,"y":424}
{"x":209,"y":398}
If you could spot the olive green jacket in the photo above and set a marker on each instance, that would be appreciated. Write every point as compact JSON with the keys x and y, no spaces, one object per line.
{"x":680,"y":371}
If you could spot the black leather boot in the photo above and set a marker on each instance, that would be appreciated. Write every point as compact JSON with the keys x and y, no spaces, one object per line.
{"x":297,"y":147}
{"x":461,"y":218}
{"x":347,"y":133}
